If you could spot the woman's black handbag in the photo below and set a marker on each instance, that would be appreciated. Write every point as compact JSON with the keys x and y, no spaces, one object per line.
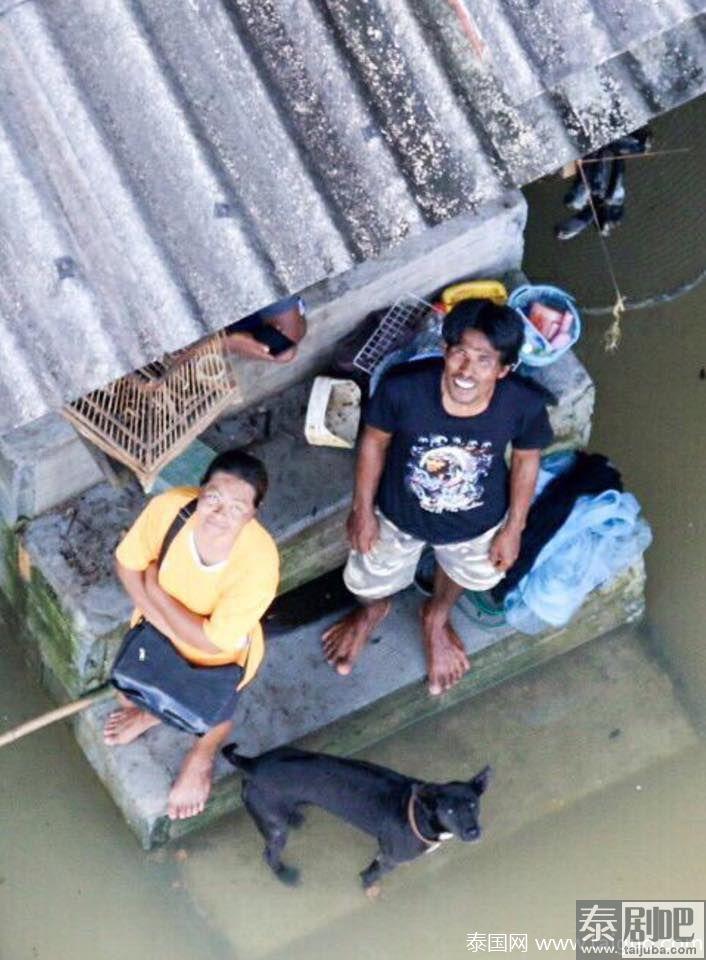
{"x":150,"y":671}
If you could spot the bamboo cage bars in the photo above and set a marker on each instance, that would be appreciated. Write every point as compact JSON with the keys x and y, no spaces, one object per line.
{"x":148,"y":417}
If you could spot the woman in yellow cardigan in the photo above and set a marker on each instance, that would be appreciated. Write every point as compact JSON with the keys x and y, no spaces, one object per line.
{"x":216,"y":580}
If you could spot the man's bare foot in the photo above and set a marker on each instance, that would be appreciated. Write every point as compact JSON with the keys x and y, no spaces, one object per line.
{"x":447,"y":660}
{"x":192,"y":787}
{"x":127,"y":724}
{"x":344,"y":641}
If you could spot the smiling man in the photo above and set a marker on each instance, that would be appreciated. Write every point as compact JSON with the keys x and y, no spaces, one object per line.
{"x":432,"y":469}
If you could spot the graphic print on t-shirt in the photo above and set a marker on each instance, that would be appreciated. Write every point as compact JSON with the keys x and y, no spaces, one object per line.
{"x":445,"y":473}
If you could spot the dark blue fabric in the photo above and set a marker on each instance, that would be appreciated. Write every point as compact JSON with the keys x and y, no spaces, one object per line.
{"x":588,"y":473}
{"x":601,"y":536}
{"x":152,"y":673}
{"x":445,"y":478}
{"x":254,"y":321}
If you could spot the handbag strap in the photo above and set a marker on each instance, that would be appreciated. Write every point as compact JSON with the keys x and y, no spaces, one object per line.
{"x":177,"y":523}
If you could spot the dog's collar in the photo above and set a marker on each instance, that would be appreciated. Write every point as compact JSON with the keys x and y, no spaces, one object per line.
{"x":412,"y":820}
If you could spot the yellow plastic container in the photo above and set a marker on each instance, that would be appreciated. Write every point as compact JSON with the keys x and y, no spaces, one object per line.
{"x":474,"y":290}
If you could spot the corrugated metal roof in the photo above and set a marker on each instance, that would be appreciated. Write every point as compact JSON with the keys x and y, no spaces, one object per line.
{"x":168,"y":166}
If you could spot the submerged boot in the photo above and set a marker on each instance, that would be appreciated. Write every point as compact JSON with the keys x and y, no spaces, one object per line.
{"x":638,"y":142}
{"x":613,"y":208}
{"x":577,"y":196}
{"x":568,"y":229}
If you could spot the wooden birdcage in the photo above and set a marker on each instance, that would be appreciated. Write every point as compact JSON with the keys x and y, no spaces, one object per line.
{"x":147,"y":418}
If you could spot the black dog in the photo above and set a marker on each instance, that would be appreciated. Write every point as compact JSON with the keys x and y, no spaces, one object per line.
{"x":407,"y":816}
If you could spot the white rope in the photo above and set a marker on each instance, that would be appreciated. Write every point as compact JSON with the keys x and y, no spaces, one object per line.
{"x":614,"y":333}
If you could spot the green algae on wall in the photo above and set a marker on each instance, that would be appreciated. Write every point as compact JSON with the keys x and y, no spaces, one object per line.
{"x":32,"y":615}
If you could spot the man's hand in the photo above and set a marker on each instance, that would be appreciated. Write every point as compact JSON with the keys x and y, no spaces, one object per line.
{"x":245,"y":345}
{"x":286,"y":357}
{"x":363,"y":529}
{"x":505,"y":548}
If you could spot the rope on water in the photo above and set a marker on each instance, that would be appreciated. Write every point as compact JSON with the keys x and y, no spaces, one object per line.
{"x":667,"y":297}
{"x":612,"y":336}
{"x":639,"y":156}
{"x":613,"y":333}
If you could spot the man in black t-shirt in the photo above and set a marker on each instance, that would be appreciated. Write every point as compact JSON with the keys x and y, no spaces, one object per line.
{"x":431,"y":469}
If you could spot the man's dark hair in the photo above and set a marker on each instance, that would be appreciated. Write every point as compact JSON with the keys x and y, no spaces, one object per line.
{"x":501,"y":325}
{"x":242,"y":465}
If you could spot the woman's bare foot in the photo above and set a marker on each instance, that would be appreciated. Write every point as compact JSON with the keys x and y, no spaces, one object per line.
{"x":344,"y":641}
{"x":192,"y":787}
{"x":447,"y":660}
{"x":127,"y":724}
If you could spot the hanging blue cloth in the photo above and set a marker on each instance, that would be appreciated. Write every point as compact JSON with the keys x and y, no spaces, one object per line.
{"x":603,"y":535}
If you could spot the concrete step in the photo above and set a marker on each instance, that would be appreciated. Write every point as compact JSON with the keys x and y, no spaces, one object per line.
{"x":73,"y":612}
{"x":41,"y":465}
{"x":297,"y":697}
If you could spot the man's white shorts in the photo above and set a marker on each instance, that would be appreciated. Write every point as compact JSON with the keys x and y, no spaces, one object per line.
{"x":390,"y":565}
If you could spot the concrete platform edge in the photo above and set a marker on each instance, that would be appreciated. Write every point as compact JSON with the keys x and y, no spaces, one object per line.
{"x":618,"y":603}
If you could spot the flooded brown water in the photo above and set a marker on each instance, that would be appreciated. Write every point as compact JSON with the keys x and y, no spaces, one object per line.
{"x":74,"y":885}
{"x":563,"y":821}
{"x":651,"y":393}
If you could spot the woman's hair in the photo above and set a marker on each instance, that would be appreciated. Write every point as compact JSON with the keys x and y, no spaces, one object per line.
{"x":242,"y":465}
{"x":501,"y":325}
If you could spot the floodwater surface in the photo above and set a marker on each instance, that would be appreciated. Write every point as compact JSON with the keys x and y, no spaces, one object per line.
{"x":562,"y":822}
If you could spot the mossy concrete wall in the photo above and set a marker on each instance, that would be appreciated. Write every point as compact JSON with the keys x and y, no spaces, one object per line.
{"x":35,"y":618}
{"x":58,"y":594}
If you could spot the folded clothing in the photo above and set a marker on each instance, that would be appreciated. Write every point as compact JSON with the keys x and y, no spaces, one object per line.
{"x":603,"y":535}
{"x":563,"y":478}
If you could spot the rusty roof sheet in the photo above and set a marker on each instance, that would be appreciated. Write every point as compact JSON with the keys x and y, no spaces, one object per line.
{"x":169,"y":166}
